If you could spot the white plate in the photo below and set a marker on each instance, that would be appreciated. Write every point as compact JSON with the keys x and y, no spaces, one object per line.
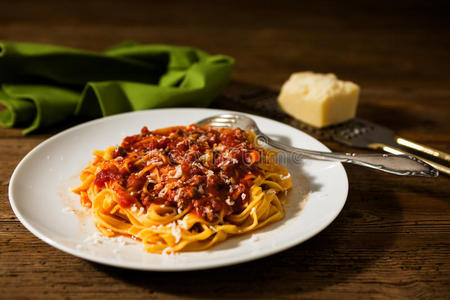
{"x":40,"y":197}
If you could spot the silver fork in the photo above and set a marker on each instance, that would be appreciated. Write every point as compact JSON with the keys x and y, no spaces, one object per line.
{"x":405,"y":165}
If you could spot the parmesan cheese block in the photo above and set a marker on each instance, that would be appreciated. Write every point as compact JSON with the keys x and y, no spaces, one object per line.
{"x":319,"y":99}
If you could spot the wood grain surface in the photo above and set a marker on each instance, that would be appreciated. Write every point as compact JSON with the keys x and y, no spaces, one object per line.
{"x":392,"y":239}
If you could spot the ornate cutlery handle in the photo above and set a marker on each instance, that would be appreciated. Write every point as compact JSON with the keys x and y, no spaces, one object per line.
{"x":405,"y":165}
{"x":438,"y":159}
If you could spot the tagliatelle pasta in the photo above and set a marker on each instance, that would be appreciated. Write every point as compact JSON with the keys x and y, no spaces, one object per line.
{"x":183,"y":188}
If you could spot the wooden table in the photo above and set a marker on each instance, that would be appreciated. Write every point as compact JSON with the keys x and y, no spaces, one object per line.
{"x":392,"y":239}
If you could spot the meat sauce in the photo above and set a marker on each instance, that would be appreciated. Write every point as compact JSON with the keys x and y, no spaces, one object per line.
{"x":202,"y":169}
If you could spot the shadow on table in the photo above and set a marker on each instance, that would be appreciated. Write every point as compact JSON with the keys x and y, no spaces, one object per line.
{"x":359,"y":237}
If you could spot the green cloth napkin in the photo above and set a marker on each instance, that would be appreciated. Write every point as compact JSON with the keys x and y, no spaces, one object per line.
{"x":41,"y":85}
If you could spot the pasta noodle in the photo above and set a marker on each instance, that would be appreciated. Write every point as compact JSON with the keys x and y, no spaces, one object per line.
{"x":183,"y":188}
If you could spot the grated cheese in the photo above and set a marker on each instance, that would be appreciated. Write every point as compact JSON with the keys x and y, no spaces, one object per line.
{"x":285,"y":177}
{"x":229,"y":202}
{"x":178,"y":172}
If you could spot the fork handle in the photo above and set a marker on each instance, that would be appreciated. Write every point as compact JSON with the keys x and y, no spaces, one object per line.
{"x":405,"y":165}
{"x":436,"y":158}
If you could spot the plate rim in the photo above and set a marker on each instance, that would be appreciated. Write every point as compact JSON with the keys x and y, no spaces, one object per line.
{"x":162,"y":267}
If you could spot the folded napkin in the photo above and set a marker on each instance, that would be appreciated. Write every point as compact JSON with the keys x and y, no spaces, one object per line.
{"x":41,"y":85}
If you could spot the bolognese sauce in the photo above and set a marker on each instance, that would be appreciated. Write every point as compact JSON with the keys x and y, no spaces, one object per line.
{"x":204,"y":170}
